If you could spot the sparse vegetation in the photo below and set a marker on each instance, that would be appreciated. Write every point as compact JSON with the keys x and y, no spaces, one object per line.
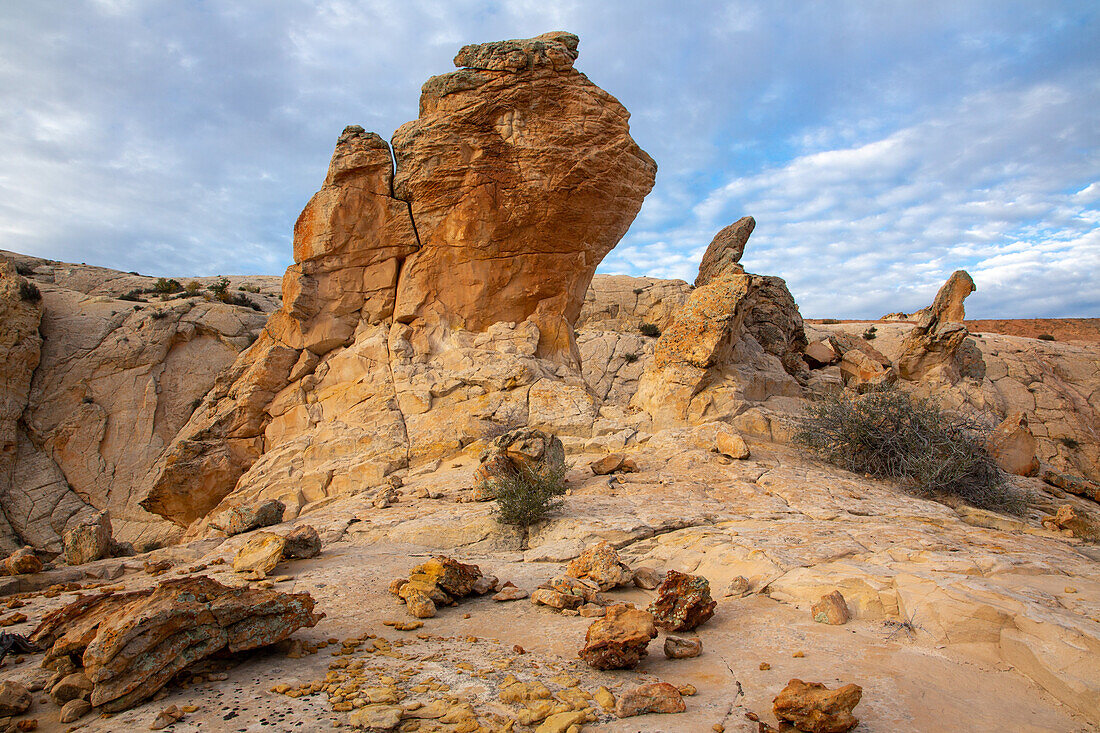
{"x":888,"y":434}
{"x":639,"y":291}
{"x":133,"y":295}
{"x":167,"y":285}
{"x":649,"y":329}
{"x":528,"y":495}
{"x":29,"y":292}
{"x":630,"y":358}
{"x":193,"y":288}
{"x":869,"y":334}
{"x":1046,"y":337}
{"x":829,"y":321}
{"x":219,"y":288}
{"x":249,"y":288}
{"x":1069,"y":443}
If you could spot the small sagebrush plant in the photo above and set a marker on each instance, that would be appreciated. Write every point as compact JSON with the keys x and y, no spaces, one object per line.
{"x":649,"y":329}
{"x":528,"y":495}
{"x":888,"y":434}
{"x":29,"y":292}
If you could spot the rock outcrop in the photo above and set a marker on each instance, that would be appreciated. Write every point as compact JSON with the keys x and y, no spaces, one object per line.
{"x":131,"y":644}
{"x":431,"y":304}
{"x":725,"y":249}
{"x":521,"y":176}
{"x":939,"y":346}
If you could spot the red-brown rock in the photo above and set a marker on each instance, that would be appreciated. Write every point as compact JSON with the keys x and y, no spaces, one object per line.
{"x":683,"y":602}
{"x":814,"y":708}
{"x":619,"y":639}
{"x":654,"y":697}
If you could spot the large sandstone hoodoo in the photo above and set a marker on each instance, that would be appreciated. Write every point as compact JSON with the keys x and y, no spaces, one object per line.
{"x":425,"y":302}
{"x":940,"y":344}
{"x":521,"y":175}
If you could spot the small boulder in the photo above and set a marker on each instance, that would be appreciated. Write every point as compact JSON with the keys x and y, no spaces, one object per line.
{"x":376,"y":717}
{"x":166,"y":717}
{"x":683,"y":647}
{"x":1068,"y":519}
{"x":619,"y":639}
{"x":830,"y":609}
{"x":303,"y":542}
{"x":87,"y":539}
{"x":731,"y":444}
{"x":555,"y":599}
{"x":612,"y":463}
{"x":814,"y":708}
{"x":74,"y":710}
{"x":240,"y":519}
{"x":683,"y":602}
{"x":655,"y":697}
{"x":820,"y":354}
{"x":23,"y":561}
{"x":260,"y":555}
{"x":739,"y":587}
{"x":510,"y":593}
{"x":15,"y":699}
{"x":601,"y":564}
{"x":1013,"y":446}
{"x":647,"y":578}
{"x":75,"y":686}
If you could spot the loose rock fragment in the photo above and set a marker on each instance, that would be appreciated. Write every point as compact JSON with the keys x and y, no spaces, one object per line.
{"x":731,"y":444}
{"x":87,"y":539}
{"x":74,"y":710}
{"x":303,"y":542}
{"x":15,"y":699}
{"x":601,"y":564}
{"x":612,"y":463}
{"x":260,"y":555}
{"x":21,"y":562}
{"x":169,"y":715}
{"x":245,"y":518}
{"x":830,"y":609}
{"x":647,"y":578}
{"x":683,"y":602}
{"x":619,"y":640}
{"x":814,"y":708}
{"x":683,"y":647}
{"x":510,"y":593}
{"x":655,"y":697}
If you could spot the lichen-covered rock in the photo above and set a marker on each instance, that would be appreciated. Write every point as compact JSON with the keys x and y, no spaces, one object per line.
{"x":601,"y":564}
{"x":302,"y":542}
{"x":132,"y":644}
{"x":248,"y":517}
{"x":513,"y":220}
{"x":653,"y":697}
{"x":87,"y":539}
{"x":619,"y":639}
{"x":683,"y":602}
{"x":21,"y":562}
{"x":814,"y":708}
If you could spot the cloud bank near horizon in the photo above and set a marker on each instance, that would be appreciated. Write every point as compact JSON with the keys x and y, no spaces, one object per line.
{"x":880,"y":147}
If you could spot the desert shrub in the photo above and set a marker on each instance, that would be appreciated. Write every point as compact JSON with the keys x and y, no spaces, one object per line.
{"x":639,"y":291}
{"x":29,"y":292}
{"x":170,"y":285}
{"x":249,"y":288}
{"x":630,"y":358}
{"x":131,"y":295}
{"x":219,"y":287}
{"x":888,"y":434}
{"x":649,"y":329}
{"x":1069,"y":443}
{"x":829,"y":321}
{"x":869,"y":334}
{"x":1046,"y":337}
{"x":193,"y":288}
{"x":527,"y":495}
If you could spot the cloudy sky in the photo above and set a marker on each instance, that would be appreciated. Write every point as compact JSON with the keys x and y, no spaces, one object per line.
{"x":880,"y":145}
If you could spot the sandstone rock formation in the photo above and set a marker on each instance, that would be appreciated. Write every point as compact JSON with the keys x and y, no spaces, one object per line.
{"x":619,"y":640}
{"x":654,"y":697}
{"x":429,"y":305}
{"x":725,"y":249}
{"x":545,"y":182}
{"x":1013,"y":446}
{"x":602,"y":565}
{"x":939,"y":345}
{"x":132,"y":644}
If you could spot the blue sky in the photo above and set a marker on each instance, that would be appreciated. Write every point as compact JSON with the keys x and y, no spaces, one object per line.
{"x":880,"y":145}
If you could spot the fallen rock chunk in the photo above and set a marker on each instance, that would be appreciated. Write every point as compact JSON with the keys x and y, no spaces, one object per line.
{"x":260,"y":555}
{"x":612,"y":463}
{"x":376,"y":717}
{"x":440,"y":581}
{"x":166,"y":717}
{"x":738,"y":587}
{"x":75,"y":686}
{"x":133,"y":643}
{"x":554,"y":599}
{"x":510,"y":593}
{"x":562,"y":722}
{"x":655,"y":697}
{"x":647,"y":578}
{"x":619,"y":640}
{"x":240,"y":519}
{"x":1013,"y":446}
{"x":683,"y":647}
{"x":820,"y":354}
{"x":601,"y":564}
{"x":302,"y":543}
{"x":23,"y":561}
{"x":683,"y":602}
{"x":830,"y":609}
{"x":1068,"y":519}
{"x":731,"y":444}
{"x":1073,"y":484}
{"x":88,"y":539}
{"x":74,"y":710}
{"x":15,"y":699}
{"x":813,"y":708}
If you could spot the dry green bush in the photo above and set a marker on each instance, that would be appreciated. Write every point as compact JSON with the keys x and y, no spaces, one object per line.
{"x":888,"y":434}
{"x":527,"y":495}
